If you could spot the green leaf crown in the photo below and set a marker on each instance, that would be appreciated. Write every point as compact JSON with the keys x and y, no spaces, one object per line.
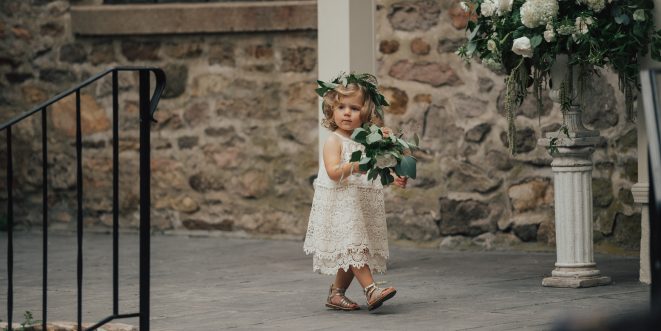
{"x":368,"y":81}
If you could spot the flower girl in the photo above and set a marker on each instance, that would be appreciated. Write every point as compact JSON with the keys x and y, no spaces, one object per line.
{"x":347,"y":233}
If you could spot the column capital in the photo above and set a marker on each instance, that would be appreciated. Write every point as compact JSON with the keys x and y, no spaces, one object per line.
{"x":641,"y":192}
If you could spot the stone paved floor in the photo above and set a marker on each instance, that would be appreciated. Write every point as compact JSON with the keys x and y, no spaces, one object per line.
{"x":220,"y":283}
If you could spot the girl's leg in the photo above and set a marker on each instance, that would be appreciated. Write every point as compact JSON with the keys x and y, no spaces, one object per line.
{"x":364,"y":275}
{"x":343,"y":278}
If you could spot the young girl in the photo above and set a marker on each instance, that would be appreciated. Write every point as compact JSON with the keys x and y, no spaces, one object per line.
{"x":347,"y":228}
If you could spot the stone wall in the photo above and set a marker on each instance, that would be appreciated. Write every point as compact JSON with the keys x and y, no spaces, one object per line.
{"x":234,"y":149}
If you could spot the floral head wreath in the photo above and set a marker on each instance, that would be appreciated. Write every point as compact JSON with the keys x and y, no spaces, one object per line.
{"x":367,"y":81}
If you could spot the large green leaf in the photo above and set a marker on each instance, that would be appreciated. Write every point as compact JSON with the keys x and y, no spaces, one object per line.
{"x":386,"y":177}
{"x":407,"y":166}
{"x":355,"y":156}
{"x":373,"y":137}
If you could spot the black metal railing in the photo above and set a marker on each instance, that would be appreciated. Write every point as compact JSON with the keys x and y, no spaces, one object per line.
{"x":147,"y":109}
{"x":652,"y":103}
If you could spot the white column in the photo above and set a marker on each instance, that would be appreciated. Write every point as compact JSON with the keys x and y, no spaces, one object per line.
{"x":640,"y":192}
{"x":346,"y":41}
{"x":572,"y":170}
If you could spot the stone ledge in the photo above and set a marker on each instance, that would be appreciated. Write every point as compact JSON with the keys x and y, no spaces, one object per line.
{"x":194,"y":18}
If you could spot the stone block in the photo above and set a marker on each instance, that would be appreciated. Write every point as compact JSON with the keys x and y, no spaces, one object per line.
{"x":299,"y":59}
{"x":525,"y":140}
{"x":410,"y":16}
{"x":93,"y":117}
{"x":397,"y":99}
{"x":177,"y":80}
{"x":432,"y":73}
{"x":466,"y":177}
{"x":412,"y":227}
{"x":135,"y":50}
{"x":531,"y":194}
{"x":420,"y":47}
{"x":73,"y":53}
{"x":463,"y":217}
{"x":477,"y":133}
{"x":388,"y":46}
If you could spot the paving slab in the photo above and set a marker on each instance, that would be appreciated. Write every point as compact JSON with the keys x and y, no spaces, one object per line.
{"x":215,"y":283}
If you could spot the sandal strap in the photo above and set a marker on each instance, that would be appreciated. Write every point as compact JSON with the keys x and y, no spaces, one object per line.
{"x":344,"y":301}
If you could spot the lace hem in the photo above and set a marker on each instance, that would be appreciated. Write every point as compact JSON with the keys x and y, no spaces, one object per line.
{"x":329,"y":264}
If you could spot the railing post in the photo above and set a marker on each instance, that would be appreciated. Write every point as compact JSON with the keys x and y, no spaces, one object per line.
{"x":44,"y":169}
{"x":115,"y":194}
{"x":79,"y":192}
{"x":10,"y":232}
{"x":145,"y":201}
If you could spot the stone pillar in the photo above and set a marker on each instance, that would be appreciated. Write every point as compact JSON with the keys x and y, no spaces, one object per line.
{"x":347,"y":41}
{"x":572,"y":170}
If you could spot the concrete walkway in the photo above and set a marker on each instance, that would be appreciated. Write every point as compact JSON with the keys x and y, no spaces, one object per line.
{"x":220,"y":283}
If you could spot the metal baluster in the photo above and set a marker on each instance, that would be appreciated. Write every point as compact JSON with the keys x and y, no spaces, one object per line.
{"x":115,"y":194}
{"x":145,"y":173}
{"x":44,"y":171}
{"x":10,"y":232}
{"x":79,"y":189}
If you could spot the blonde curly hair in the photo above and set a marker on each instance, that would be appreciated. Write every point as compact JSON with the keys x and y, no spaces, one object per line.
{"x":332,"y":100}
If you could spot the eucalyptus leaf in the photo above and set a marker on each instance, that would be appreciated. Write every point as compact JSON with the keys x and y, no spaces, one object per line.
{"x":408,"y":166}
{"x":355,"y":156}
{"x":364,"y":160}
{"x":535,"y":41}
{"x":373,"y":137}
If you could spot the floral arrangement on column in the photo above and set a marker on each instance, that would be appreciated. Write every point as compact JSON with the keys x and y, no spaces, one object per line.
{"x":523,"y":37}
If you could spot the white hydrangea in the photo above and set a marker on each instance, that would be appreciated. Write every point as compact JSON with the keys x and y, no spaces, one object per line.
{"x":522,"y":46}
{"x":639,"y":15}
{"x":538,"y":12}
{"x":488,"y":8}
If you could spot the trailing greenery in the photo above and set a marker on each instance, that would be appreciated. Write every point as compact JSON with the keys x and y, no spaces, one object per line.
{"x":523,"y":37}
{"x":384,"y":155}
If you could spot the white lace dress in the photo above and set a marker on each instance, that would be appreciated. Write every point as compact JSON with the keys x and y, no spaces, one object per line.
{"x":347,"y":225}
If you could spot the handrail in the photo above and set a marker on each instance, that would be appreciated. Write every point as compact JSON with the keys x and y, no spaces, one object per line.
{"x":147,"y":107}
{"x":159,"y":74}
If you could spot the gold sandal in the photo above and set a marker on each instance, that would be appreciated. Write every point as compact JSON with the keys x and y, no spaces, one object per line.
{"x":377,"y":296}
{"x":345,"y":303}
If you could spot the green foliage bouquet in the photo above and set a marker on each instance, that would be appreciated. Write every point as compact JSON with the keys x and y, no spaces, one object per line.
{"x":384,"y":154}
{"x":523,"y":37}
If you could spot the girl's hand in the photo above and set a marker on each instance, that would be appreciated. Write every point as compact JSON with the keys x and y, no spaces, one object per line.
{"x":401,"y":181}
{"x":386,"y":132}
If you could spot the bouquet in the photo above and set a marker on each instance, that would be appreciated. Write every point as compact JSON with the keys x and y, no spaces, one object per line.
{"x":384,"y":153}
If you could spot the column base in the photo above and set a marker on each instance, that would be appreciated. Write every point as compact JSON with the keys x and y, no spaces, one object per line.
{"x":576,"y":282}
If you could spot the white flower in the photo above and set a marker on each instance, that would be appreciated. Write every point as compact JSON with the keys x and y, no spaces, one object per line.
{"x":504,"y":6}
{"x":582,"y":25}
{"x":385,"y":161}
{"x":464,"y":6}
{"x":549,"y":35}
{"x":538,"y":12}
{"x":488,"y":8}
{"x":521,"y":46}
{"x":491,"y":45}
{"x":639,"y":15}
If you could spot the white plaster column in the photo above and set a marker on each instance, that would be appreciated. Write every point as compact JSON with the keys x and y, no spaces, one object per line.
{"x":346,"y":41}
{"x":640,"y":192}
{"x":572,"y":171}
